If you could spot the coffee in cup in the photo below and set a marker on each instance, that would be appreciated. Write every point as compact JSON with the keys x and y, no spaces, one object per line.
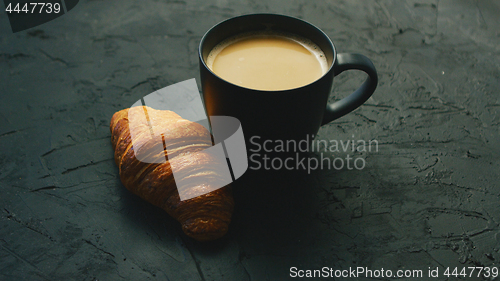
{"x":268,"y":60}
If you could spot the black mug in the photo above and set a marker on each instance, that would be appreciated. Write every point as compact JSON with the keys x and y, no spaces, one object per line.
{"x":294,"y":114}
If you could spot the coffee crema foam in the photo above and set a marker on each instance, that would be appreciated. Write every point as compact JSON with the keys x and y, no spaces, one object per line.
{"x":268,"y":60}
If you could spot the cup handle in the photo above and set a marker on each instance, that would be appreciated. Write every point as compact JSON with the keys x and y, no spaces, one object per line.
{"x":342,"y":107}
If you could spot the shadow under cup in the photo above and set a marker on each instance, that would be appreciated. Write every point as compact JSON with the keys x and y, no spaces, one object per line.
{"x":286,"y":115}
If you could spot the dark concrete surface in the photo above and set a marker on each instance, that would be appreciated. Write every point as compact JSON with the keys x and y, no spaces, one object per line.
{"x":429,"y":197}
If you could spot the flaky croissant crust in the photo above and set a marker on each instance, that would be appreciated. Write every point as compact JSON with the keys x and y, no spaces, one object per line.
{"x":205,"y":217}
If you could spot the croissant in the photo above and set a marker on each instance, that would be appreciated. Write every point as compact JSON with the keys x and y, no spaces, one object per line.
{"x":205,"y":217}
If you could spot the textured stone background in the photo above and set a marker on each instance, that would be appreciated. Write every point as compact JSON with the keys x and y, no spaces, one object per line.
{"x":429,"y":197}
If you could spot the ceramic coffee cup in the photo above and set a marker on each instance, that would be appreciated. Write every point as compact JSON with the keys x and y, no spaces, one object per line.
{"x":293,"y":114}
